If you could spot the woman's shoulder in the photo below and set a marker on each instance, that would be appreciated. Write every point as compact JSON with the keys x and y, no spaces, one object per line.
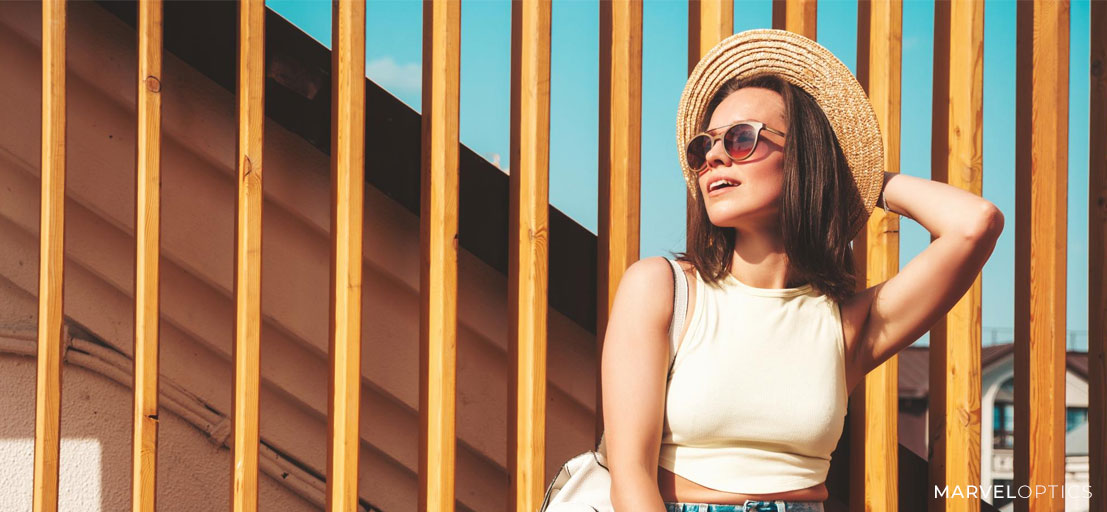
{"x":655,"y":270}
{"x":645,"y":294}
{"x":656,"y":273}
{"x":648,"y":282}
{"x":648,"y":272}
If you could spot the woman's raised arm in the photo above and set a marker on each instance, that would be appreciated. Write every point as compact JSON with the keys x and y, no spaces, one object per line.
{"x":633,"y":369}
{"x":965,"y":227}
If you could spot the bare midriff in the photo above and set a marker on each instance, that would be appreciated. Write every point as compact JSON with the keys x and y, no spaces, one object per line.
{"x":675,"y":488}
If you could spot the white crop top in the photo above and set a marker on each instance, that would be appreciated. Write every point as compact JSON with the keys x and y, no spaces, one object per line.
{"x":756,"y":399}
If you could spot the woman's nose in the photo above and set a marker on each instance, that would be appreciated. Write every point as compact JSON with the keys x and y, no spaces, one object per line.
{"x":717,"y":155}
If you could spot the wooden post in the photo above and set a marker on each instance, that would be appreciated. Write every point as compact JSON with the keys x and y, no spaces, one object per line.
{"x":528,"y":250}
{"x":1097,"y":254}
{"x":709,"y":21}
{"x":874,"y":457}
{"x":144,"y":442}
{"x":940,"y":144}
{"x":438,"y":222}
{"x":347,"y":192}
{"x":620,"y":158}
{"x":799,"y":16}
{"x":1041,"y":199}
{"x":954,"y":423}
{"x":51,"y":259}
{"x":249,"y":111}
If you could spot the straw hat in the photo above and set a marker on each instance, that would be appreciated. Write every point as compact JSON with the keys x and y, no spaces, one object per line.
{"x":814,"y":69}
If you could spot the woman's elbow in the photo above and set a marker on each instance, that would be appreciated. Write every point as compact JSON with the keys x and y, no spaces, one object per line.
{"x":985,"y":225}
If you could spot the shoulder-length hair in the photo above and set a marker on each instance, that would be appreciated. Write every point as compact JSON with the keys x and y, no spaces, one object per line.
{"x":815,"y":200}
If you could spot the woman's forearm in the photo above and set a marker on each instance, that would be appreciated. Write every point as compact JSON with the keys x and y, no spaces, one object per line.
{"x":937,"y":206}
{"x":636,"y":492}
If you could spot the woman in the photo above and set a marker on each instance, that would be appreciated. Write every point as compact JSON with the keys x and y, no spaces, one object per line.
{"x":785,"y":164}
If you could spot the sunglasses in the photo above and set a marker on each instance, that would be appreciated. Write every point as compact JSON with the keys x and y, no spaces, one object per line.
{"x":739,"y":141}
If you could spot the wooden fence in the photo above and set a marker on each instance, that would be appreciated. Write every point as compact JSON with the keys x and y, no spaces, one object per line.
{"x":955,"y":416}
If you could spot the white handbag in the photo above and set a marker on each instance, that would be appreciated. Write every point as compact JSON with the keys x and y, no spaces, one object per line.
{"x":584,"y":484}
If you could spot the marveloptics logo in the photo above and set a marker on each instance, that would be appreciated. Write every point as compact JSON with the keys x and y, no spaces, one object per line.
{"x":1009,"y":492}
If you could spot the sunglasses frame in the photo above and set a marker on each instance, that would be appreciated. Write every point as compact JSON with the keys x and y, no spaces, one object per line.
{"x":757,"y":126}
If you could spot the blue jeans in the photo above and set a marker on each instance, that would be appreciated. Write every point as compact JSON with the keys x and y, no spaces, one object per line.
{"x":748,"y":506}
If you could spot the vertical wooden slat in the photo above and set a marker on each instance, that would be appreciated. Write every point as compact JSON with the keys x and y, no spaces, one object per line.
{"x":51,"y":259}
{"x":940,"y":144}
{"x":709,"y":21}
{"x":620,"y":148}
{"x":1097,"y":257}
{"x":247,"y":255}
{"x":797,"y":16}
{"x":347,"y":190}
{"x":1041,"y":163}
{"x":438,"y":266}
{"x":955,"y":373}
{"x":528,"y":250}
{"x":873,"y":453}
{"x":144,"y":442}
{"x":879,"y":30}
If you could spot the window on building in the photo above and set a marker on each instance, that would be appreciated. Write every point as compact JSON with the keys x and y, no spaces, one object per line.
{"x":1003,"y":425}
{"x":1003,"y":417}
{"x":1074,"y":417}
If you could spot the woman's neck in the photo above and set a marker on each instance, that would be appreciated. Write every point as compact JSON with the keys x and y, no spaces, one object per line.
{"x":760,"y":260}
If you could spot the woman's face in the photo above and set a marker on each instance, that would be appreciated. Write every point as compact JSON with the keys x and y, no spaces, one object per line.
{"x":755,"y":201}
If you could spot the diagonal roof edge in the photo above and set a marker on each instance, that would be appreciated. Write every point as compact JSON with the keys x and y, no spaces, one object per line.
{"x":298,"y":96}
{"x":914,"y":362}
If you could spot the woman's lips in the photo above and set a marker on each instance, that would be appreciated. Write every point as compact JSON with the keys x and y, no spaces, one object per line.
{"x":723,"y":187}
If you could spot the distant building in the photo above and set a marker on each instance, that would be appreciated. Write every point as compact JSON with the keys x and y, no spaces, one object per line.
{"x":997,"y":429}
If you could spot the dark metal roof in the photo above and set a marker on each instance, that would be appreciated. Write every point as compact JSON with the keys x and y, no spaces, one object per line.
{"x":914,"y":365}
{"x":298,"y":96}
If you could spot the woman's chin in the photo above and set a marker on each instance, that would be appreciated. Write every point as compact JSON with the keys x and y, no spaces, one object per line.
{"x":726,"y":223}
{"x":726,"y":219}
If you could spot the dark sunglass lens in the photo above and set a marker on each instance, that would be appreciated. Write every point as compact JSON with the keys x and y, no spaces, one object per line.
{"x":696,"y":153}
{"x":739,"y":141}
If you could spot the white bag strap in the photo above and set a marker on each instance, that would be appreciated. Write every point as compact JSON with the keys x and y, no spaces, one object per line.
{"x":680,"y":308}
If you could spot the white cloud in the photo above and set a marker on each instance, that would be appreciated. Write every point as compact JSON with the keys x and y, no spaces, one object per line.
{"x":494,"y":158}
{"x":395,"y":77}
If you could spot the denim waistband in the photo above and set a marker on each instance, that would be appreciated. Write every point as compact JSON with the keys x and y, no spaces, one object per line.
{"x":748,"y":506}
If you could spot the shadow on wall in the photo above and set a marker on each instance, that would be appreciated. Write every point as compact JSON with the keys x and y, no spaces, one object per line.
{"x":193,"y":473}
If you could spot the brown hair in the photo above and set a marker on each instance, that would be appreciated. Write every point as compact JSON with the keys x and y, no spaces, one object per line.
{"x":815,"y":200}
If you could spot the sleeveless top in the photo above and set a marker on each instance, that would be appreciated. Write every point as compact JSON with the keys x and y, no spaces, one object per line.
{"x":756,"y":397}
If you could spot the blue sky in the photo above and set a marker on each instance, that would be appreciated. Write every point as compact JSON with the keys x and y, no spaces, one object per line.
{"x":394,"y":56}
